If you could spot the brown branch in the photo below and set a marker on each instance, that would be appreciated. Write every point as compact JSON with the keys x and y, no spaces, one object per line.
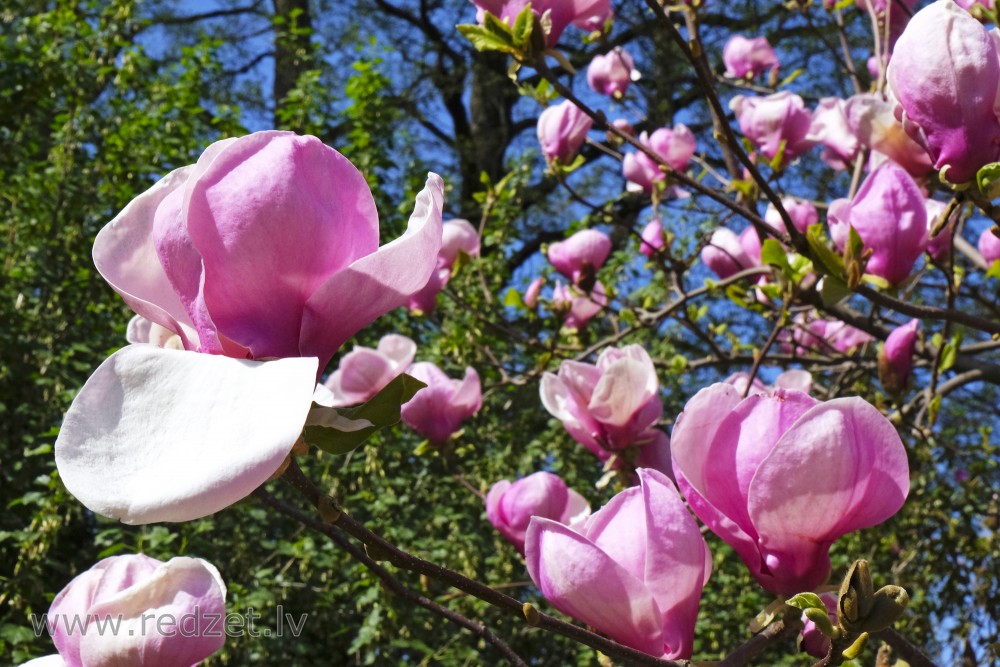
{"x":905,"y":649}
{"x":391,"y":582}
{"x":383,"y":549}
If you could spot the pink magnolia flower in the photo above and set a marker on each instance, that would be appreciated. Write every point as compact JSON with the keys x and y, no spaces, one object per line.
{"x":945,"y":75}
{"x":890,"y":215}
{"x":582,"y":13}
{"x":578,"y":307}
{"x":534,"y":290}
{"x":562,"y":130}
{"x":652,"y":238}
{"x":611,"y":73}
{"x":634,"y":569}
{"x":509,"y":507}
{"x":163,"y":614}
{"x":725,"y":255}
{"x":611,"y":405}
{"x":676,"y":146}
{"x":171,"y":435}
{"x":871,"y":120}
{"x":976,"y":7}
{"x":747,"y":58}
{"x":364,"y":372}
{"x":772,"y":121}
{"x":438,"y":410}
{"x":819,"y":335}
{"x":897,"y":355}
{"x":456,"y":236}
{"x":780,"y":477}
{"x":581,"y":255}
{"x":989,"y":246}
{"x":830,"y":128}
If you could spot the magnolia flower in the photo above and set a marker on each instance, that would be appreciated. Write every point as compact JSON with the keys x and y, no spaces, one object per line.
{"x":438,"y":410}
{"x":945,"y":76}
{"x":509,"y":507}
{"x":456,"y":236}
{"x":262,"y":259}
{"x":896,"y":358}
{"x":164,"y":614}
{"x":533,"y":292}
{"x":890,"y":215}
{"x":725,"y":254}
{"x":364,"y":372}
{"x":747,"y":58}
{"x":652,"y":238}
{"x":634,"y":569}
{"x":676,"y":146}
{"x":611,"y":73}
{"x":611,"y":405}
{"x":780,"y":477}
{"x":578,"y":307}
{"x":562,"y":130}
{"x":772,"y":122}
{"x":989,"y":246}
{"x":818,"y":335}
{"x":581,"y":255}
{"x":871,"y":120}
{"x":830,"y":128}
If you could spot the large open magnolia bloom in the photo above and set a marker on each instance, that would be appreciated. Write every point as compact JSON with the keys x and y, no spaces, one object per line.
{"x":634,"y":569}
{"x":510,"y":506}
{"x":263,"y":258}
{"x":781,"y":476}
{"x":136,"y":610}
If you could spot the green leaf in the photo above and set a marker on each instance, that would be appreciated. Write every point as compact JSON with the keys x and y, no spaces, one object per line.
{"x":833,"y":291}
{"x":485,"y":39}
{"x":805,"y":601}
{"x":342,"y":430}
{"x":523,"y":25}
{"x":829,"y":260}
{"x":514,"y":298}
{"x":772,"y":253}
{"x":994,"y":271}
{"x":988,"y":180}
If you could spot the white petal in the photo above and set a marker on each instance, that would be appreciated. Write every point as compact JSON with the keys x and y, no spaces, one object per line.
{"x":169,"y":435}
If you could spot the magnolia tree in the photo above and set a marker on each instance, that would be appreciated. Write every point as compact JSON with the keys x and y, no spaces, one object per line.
{"x":745,"y":344}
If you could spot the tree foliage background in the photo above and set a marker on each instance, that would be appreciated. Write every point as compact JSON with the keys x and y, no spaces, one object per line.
{"x":97,"y":99}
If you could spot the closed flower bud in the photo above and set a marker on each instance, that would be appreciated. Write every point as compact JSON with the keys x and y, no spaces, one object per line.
{"x":562,"y":130}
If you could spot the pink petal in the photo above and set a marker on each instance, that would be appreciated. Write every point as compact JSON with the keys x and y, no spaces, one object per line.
{"x":841,"y":467}
{"x":126,"y":257}
{"x":677,"y":560}
{"x":581,"y":580}
{"x":166,"y":435}
{"x":287,"y":201}
{"x":377,"y":283}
